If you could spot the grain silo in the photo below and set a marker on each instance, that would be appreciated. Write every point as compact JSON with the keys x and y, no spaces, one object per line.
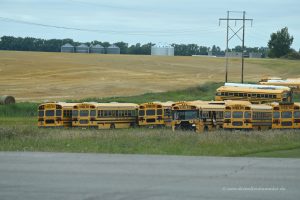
{"x":113,"y":49}
{"x":165,"y":50}
{"x":68,"y":48}
{"x":7,"y":100}
{"x":82,"y":48}
{"x":96,"y":49}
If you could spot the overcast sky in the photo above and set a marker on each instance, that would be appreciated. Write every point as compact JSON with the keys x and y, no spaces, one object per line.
{"x":157,"y":21}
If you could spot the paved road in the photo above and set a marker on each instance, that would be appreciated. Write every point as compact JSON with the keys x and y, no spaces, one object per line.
{"x":42,"y":176}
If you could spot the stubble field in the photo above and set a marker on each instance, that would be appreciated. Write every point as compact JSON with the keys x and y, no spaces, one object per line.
{"x":40,"y":76}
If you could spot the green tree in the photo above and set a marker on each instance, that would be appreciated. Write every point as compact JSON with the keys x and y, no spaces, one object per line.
{"x":280,"y":43}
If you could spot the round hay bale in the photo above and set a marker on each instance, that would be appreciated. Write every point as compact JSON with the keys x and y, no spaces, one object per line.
{"x":7,"y":100}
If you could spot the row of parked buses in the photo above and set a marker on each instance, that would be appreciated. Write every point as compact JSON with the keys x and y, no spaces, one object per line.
{"x":104,"y":115}
{"x":192,"y":115}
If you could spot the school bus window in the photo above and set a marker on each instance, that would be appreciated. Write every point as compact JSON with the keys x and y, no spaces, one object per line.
{"x":222,"y":93}
{"x":220,"y":115}
{"x":227,"y":114}
{"x":237,"y":114}
{"x":235,"y":94}
{"x":58,"y":113}
{"x":258,"y":95}
{"x":276,"y":115}
{"x":247,"y":115}
{"x":205,"y":115}
{"x":230,"y":94}
{"x":241,"y":94}
{"x":296,"y":114}
{"x":113,"y":113}
{"x":185,"y":115}
{"x":84,"y":113}
{"x":49,"y":113}
{"x":286,"y":114}
{"x":66,"y":113}
{"x":93,"y":113}
{"x":159,"y":112}
{"x":75,"y":113}
{"x":286,"y":123}
{"x":141,"y":112}
{"x":150,"y":112}
{"x":226,"y":93}
{"x":41,"y":113}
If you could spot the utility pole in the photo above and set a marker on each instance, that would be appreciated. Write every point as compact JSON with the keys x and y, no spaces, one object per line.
{"x":235,"y":33}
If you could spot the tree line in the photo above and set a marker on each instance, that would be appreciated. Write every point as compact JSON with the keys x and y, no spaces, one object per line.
{"x":54,"y":45}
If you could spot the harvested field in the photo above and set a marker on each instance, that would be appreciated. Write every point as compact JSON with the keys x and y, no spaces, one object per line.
{"x":39,"y":76}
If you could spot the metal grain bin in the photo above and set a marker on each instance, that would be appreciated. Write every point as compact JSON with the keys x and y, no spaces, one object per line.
{"x":68,"y":48}
{"x":82,"y":48}
{"x":97,"y":49}
{"x":165,"y":50}
{"x":7,"y":100}
{"x":113,"y":49}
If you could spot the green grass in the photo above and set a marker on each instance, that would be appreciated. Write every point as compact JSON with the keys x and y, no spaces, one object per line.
{"x":204,"y":92}
{"x":286,"y":153}
{"x":13,"y":121}
{"x":23,"y":109}
{"x":148,"y":141}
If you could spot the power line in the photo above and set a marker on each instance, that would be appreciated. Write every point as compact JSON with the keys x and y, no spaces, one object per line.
{"x":235,"y":33}
{"x":149,"y":33}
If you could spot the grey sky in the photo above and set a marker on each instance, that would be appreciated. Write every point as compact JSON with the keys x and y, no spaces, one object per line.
{"x":158,"y":21}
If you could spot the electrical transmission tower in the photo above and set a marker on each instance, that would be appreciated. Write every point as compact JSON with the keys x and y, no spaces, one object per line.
{"x":235,"y":33}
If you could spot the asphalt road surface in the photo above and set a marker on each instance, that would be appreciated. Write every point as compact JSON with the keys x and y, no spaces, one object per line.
{"x":64,"y":176}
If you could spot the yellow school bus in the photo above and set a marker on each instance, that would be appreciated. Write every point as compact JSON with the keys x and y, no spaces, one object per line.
{"x":55,"y":114}
{"x":297,"y":115}
{"x":105,"y":115}
{"x":254,"y":95}
{"x":185,"y":116}
{"x":286,"y":115}
{"x":84,"y":115}
{"x":155,"y":114}
{"x":293,"y":83}
{"x":211,"y":115}
{"x":198,"y":115}
{"x":247,"y":116}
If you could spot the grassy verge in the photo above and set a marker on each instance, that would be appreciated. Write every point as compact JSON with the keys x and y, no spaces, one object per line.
{"x":149,"y":141}
{"x":14,"y":121}
{"x":204,"y":92}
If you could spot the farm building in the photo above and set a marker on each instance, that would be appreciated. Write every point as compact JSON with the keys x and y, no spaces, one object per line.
{"x":255,"y":55}
{"x":96,"y":49}
{"x":165,"y":50}
{"x":113,"y":49}
{"x":233,"y":54}
{"x":82,"y":48}
{"x":68,"y":48}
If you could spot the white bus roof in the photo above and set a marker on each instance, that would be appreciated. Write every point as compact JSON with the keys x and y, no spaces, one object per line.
{"x":255,"y":86}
